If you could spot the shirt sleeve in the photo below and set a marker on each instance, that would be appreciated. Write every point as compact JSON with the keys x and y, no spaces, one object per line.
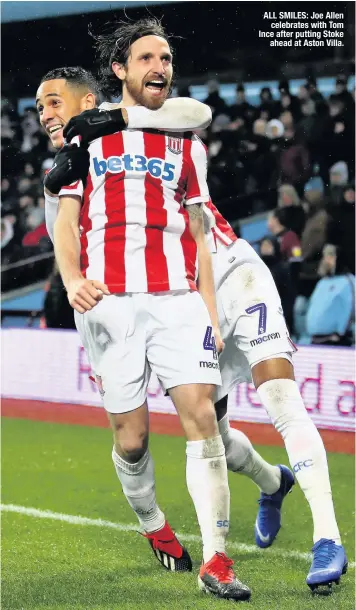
{"x":51,"y":209}
{"x":197,"y":190}
{"x":176,"y":115}
{"x":75,"y":189}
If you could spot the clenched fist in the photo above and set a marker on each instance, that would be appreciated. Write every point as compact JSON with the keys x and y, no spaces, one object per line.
{"x":84,"y":294}
{"x":218,"y":340}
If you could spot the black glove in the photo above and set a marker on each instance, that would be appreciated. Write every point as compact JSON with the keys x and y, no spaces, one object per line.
{"x":92,"y":124}
{"x":71,"y":163}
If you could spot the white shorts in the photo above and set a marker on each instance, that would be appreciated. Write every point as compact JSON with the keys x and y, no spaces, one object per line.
{"x":127,"y":336}
{"x":250,"y":314}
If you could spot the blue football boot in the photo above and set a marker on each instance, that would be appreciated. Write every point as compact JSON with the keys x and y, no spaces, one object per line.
{"x":268,"y":522}
{"x":329,"y":563}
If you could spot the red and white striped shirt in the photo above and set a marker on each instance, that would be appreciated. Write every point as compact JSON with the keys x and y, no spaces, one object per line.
{"x":134,"y":229}
{"x":217,"y":225}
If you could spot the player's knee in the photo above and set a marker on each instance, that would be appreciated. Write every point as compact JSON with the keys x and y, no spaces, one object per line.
{"x":284,"y":404}
{"x":131,"y":447}
{"x":202,"y":419}
{"x":279,"y":367}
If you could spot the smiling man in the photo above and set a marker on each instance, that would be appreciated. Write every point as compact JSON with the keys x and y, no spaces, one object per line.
{"x":62,"y":94}
{"x":70,"y":91}
{"x":130,"y":276}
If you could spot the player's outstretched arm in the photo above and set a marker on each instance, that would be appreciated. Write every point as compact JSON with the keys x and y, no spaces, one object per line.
{"x":177,"y":115}
{"x":205,"y":268}
{"x":83,"y":294}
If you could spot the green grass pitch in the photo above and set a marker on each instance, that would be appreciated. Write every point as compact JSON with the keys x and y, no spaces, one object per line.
{"x":55,"y":565}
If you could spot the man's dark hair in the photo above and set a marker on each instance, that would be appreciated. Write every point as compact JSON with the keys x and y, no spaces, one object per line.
{"x":281,"y":214}
{"x":283,"y":86}
{"x":114,"y":45}
{"x":76,"y":77}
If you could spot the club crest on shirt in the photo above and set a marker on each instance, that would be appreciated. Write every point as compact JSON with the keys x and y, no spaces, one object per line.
{"x":175,"y":145}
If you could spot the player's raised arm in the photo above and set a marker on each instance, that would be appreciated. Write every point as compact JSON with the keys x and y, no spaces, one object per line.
{"x":206,"y":278}
{"x":177,"y":115}
{"x":197,"y":193}
{"x":66,"y":239}
{"x":83,"y":294}
{"x":71,"y":167}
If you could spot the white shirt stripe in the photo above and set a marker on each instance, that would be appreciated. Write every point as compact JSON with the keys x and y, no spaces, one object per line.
{"x":97,"y":215}
{"x":172,"y":246}
{"x":136,"y":219}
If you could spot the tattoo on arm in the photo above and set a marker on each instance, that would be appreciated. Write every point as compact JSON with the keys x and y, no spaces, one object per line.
{"x":195,"y":211}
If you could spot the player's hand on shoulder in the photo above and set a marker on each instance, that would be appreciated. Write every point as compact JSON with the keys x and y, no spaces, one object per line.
{"x":95,"y":123}
{"x":71,"y":163}
{"x":84,"y":294}
{"x":218,"y":340}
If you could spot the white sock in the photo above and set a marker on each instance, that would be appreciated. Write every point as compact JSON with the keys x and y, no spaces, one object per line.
{"x":138,"y":485}
{"x":284,"y":404}
{"x":241,"y":457}
{"x":209,"y":489}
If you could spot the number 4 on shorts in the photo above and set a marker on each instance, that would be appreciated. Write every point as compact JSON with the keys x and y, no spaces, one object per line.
{"x":209,"y":341}
{"x":262,"y":320}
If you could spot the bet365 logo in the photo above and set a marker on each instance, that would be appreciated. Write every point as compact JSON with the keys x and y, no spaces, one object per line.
{"x":157,"y":168}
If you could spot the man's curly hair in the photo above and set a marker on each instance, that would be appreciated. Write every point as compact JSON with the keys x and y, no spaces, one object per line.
{"x":114,"y":46}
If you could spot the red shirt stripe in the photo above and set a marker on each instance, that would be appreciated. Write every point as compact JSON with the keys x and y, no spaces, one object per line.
{"x":156,"y":263}
{"x":86,"y":225}
{"x":193,"y":189}
{"x":115,"y":208}
{"x":189,"y":247}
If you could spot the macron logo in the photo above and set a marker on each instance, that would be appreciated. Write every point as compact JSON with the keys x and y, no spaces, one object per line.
{"x":260,"y":340}
{"x":208,"y":365}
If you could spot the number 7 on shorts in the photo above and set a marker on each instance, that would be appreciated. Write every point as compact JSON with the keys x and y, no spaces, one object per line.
{"x":262,"y":320}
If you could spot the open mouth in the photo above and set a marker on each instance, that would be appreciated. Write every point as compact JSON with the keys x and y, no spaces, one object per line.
{"x":155,"y":86}
{"x":54,"y":129}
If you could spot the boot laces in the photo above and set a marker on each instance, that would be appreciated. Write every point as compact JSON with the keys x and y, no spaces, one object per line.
{"x":324,"y":554}
{"x":224,"y":566}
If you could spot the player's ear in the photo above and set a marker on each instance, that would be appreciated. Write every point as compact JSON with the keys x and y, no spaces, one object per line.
{"x":119,"y":70}
{"x":88,"y":102}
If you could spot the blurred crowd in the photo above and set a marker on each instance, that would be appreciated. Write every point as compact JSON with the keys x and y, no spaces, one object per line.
{"x":293,"y":157}
{"x":296,"y":156}
{"x":285,"y":141}
{"x":26,"y":154}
